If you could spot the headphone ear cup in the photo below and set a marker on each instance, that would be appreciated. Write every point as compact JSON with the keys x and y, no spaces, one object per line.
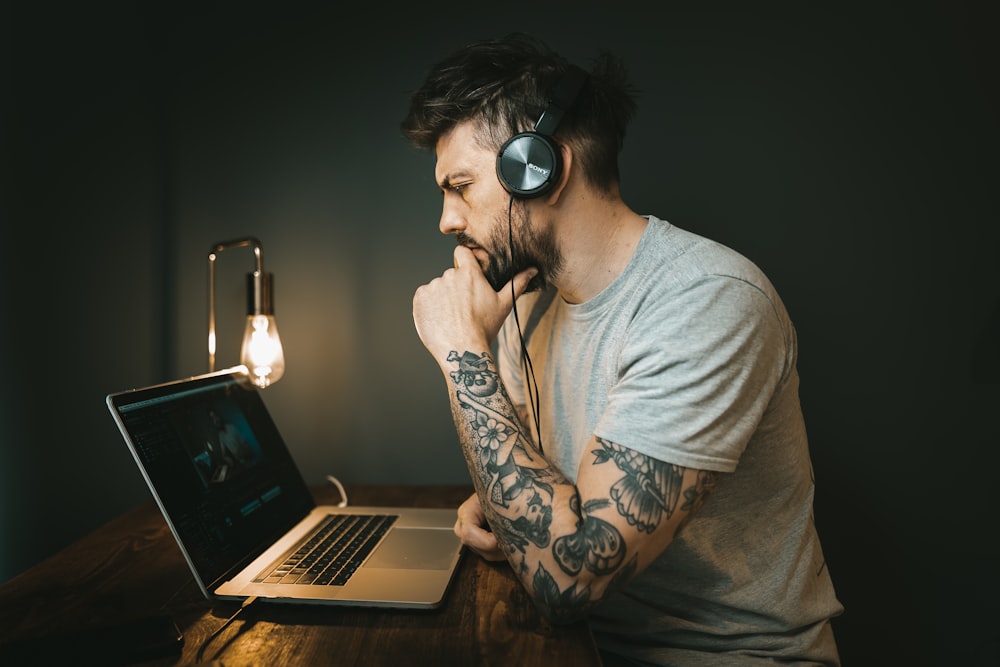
{"x":528,"y":165}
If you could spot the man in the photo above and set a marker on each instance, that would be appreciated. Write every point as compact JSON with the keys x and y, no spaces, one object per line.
{"x":633,"y":431}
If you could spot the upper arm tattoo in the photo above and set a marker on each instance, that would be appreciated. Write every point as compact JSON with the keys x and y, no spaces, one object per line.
{"x":650,"y":489}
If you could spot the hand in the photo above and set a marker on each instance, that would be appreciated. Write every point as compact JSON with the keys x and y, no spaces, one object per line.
{"x":472,"y":530}
{"x":460,"y":311}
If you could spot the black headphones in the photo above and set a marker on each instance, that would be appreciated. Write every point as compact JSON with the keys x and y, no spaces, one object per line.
{"x":529,"y":163}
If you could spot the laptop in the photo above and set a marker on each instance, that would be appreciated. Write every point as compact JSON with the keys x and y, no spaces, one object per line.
{"x":243,"y":515}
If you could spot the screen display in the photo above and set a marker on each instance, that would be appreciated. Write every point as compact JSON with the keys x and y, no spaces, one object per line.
{"x":218,"y":465}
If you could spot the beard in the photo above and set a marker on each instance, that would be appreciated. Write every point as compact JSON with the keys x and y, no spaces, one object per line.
{"x":514,"y":245}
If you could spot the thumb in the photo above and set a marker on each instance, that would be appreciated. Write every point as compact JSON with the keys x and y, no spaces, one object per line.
{"x":520,"y":281}
{"x":463,"y":256}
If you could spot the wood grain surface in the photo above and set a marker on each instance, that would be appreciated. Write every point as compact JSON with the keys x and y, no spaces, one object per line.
{"x":132,"y":568}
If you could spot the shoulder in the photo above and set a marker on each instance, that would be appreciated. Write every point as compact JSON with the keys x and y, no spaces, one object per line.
{"x":690,"y":255}
{"x":677,"y":265}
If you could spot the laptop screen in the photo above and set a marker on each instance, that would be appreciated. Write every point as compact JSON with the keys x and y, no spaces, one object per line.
{"x":214,"y":458}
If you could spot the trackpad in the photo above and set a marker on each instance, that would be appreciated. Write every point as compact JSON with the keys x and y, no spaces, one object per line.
{"x":415,"y":549}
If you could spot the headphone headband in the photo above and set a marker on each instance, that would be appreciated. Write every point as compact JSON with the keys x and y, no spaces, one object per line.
{"x":563,"y":96}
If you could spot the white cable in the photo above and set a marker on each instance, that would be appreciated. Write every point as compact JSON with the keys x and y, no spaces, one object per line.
{"x":340,"y":487}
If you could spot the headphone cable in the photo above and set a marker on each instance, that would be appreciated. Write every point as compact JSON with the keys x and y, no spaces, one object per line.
{"x":529,"y":369}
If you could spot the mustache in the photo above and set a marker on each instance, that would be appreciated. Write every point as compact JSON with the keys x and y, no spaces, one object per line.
{"x":463,"y":239}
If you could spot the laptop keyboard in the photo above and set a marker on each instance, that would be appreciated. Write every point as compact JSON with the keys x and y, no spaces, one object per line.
{"x":333,"y":553}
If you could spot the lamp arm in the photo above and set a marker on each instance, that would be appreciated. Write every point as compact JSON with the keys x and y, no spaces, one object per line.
{"x":258,"y":251}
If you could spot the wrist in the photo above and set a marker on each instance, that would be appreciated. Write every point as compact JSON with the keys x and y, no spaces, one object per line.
{"x":467,"y":363}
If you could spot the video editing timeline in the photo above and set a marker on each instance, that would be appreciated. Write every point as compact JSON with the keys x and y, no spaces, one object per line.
{"x":205,"y":449}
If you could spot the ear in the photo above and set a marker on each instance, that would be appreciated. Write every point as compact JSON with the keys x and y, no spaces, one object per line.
{"x":567,"y":168}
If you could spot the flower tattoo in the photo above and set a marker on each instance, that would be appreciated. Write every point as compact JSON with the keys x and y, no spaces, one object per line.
{"x":491,"y":435}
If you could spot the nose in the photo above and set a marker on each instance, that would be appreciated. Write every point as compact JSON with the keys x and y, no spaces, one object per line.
{"x":452,"y":222}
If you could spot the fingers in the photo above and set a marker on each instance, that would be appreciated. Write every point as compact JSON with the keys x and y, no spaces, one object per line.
{"x":469,"y":516}
{"x":471,"y":528}
{"x":482,"y":542}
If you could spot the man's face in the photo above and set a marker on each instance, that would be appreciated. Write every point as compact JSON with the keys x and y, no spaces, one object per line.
{"x":504,"y":238}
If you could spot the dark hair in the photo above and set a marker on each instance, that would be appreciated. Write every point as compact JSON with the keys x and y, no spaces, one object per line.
{"x":504,"y":84}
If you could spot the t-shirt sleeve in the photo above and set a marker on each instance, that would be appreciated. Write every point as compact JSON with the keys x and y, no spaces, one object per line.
{"x":691,"y":389}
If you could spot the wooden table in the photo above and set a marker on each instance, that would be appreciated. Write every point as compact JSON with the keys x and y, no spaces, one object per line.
{"x":131,"y":568}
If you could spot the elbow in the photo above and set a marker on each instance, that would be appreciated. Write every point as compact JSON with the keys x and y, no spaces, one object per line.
{"x":584,"y":593}
{"x":562,"y":607}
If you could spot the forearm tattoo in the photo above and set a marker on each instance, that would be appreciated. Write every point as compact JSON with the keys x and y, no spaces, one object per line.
{"x":596,"y":544}
{"x":507,"y":470}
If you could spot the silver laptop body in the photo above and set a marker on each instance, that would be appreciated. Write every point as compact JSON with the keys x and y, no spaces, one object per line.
{"x":237,"y":503}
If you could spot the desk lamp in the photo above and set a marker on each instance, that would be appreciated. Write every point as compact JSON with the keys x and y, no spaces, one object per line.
{"x":261,"y":351}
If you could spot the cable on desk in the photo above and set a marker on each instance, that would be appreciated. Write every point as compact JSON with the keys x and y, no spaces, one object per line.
{"x":208,"y":640}
{"x":167,"y":607}
{"x":340,"y":487}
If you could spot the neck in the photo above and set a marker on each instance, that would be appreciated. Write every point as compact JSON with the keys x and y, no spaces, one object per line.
{"x":597,"y":236}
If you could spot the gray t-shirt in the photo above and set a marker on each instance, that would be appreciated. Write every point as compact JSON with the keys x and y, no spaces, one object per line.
{"x":689,"y":357}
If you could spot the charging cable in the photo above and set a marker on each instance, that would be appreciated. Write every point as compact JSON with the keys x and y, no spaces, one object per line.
{"x":208,"y":640}
{"x":250,"y":600}
{"x":340,"y":487}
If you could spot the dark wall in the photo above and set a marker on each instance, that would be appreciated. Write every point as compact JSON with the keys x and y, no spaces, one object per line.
{"x":852,"y":154}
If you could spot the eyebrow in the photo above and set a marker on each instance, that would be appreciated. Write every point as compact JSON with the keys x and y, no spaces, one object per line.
{"x":448,"y":180}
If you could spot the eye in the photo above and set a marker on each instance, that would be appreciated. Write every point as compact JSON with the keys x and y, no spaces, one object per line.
{"x":457,"y":187}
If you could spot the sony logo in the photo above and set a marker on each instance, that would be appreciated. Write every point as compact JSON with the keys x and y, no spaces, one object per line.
{"x":535,"y":167}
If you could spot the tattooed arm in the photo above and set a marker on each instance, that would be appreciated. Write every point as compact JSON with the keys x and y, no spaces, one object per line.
{"x":570,"y":544}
